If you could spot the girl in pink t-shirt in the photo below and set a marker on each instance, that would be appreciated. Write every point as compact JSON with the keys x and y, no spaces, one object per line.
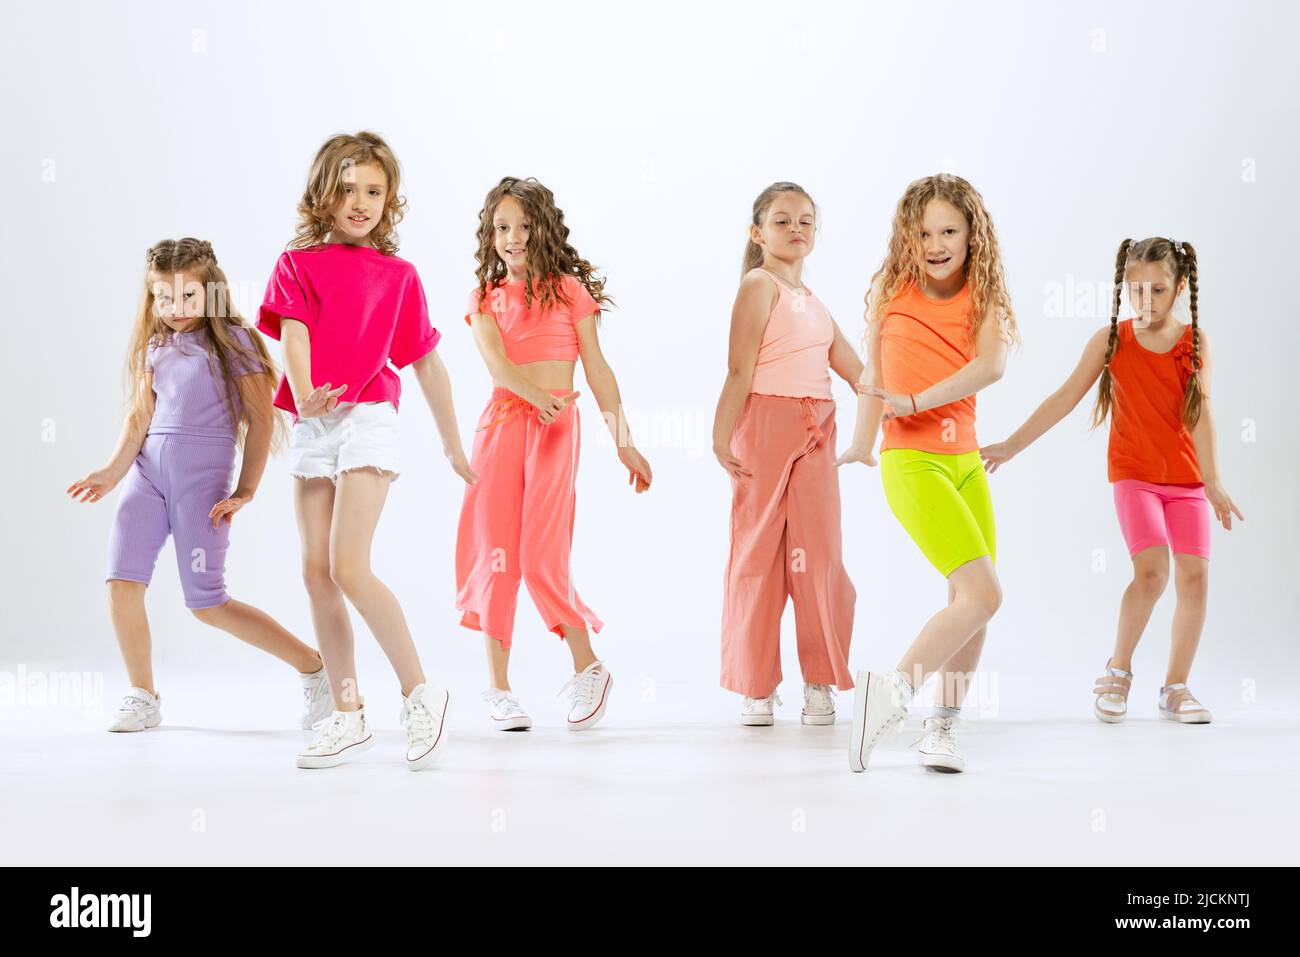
{"x":346,"y":307}
{"x":533,"y":315}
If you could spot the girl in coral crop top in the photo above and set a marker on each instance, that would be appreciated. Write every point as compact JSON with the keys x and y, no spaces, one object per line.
{"x":1155,"y":388}
{"x":533,"y":315}
{"x":774,"y":433}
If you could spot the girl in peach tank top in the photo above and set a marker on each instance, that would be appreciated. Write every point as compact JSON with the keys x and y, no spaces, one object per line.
{"x":774,"y":433}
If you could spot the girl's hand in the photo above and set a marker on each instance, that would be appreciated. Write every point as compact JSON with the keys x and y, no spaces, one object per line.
{"x":460,"y":465}
{"x":550,"y":410}
{"x":856,"y":453}
{"x":94,"y":486}
{"x":638,"y":469}
{"x":320,"y":401}
{"x":227,"y":508}
{"x":999,"y":453}
{"x":732,"y":464}
{"x":896,"y":404}
{"x":1223,"y":505}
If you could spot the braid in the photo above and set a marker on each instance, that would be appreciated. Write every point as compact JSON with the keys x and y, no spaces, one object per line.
{"x":1194,"y":396}
{"x":1105,"y":386}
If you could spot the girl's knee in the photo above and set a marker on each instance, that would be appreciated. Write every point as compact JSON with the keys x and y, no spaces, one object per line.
{"x":316,"y":576}
{"x":1192,"y":578}
{"x":1150,"y":577}
{"x":122,"y":593}
{"x":210,"y":615}
{"x":349,"y":575}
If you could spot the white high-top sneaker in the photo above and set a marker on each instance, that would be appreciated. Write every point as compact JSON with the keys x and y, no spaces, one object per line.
{"x":760,"y":712}
{"x":340,"y":737}
{"x":506,"y":712}
{"x":424,"y":716}
{"x":938,"y":749}
{"x":879,"y":702}
{"x":317,"y":700}
{"x":588,"y":693}
{"x":818,"y":704}
{"x":138,"y":710}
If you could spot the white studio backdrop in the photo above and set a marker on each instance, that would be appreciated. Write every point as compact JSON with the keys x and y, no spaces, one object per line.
{"x":656,"y":126}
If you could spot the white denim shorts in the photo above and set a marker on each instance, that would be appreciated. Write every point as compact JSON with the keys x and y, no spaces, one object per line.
{"x":353,"y":436}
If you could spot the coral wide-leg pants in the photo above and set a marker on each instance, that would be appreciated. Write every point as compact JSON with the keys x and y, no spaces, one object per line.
{"x":785,"y":541}
{"x":517,"y":521}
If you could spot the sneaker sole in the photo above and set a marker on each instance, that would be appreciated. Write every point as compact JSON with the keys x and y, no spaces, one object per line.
{"x":144,"y":727}
{"x":943,"y":763}
{"x":313,"y":762}
{"x":817,"y":719}
{"x":1109,"y":717}
{"x":426,"y":759}
{"x":513,"y":724}
{"x":758,"y":721}
{"x":599,"y":713}
{"x":1186,"y":718}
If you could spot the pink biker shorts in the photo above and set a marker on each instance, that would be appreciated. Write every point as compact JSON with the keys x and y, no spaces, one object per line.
{"x":1177,"y":516}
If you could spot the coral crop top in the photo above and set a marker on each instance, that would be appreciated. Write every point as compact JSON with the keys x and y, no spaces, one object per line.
{"x":794,"y":358}
{"x":535,"y":333}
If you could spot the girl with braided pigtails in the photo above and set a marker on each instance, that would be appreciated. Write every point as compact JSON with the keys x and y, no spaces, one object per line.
{"x":1155,"y":387}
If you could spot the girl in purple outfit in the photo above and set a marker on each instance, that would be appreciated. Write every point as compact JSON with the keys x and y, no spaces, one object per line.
{"x":201,"y":384}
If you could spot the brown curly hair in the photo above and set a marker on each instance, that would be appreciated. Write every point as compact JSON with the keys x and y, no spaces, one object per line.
{"x":983,"y":266}
{"x":1180,"y":259}
{"x":550,"y":256}
{"x":169,"y":258}
{"x":325,"y":185}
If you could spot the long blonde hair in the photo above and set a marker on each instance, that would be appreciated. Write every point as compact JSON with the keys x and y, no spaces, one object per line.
{"x":171,"y":257}
{"x":753,"y":251}
{"x":325,"y":185}
{"x":1180,"y":259}
{"x":903,"y":261}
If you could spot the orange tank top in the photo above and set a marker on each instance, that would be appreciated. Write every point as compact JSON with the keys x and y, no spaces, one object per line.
{"x":923,"y":341}
{"x":795,"y":356}
{"x":1148,"y":440}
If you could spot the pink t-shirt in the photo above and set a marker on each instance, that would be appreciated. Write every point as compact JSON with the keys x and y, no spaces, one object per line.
{"x":532,"y":333}
{"x":362,"y":310}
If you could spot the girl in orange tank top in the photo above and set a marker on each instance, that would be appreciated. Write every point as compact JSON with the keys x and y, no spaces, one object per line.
{"x":939,"y":326}
{"x":1155,"y":385}
{"x":774,"y":433}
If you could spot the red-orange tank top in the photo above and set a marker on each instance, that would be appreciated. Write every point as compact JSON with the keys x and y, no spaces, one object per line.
{"x":1148,"y":440}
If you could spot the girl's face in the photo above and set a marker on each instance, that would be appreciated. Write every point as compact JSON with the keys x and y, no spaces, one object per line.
{"x":365,"y":191}
{"x":178,"y":299}
{"x":945,"y":240}
{"x":1151,"y":292}
{"x":789,"y":229}
{"x":510,"y":227}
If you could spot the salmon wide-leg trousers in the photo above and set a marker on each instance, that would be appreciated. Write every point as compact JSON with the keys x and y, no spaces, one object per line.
{"x":785,"y":541}
{"x":516,"y":523}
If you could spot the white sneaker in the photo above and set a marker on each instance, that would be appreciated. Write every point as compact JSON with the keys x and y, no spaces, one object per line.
{"x":424,"y":716}
{"x":879,"y":703}
{"x":818,"y":704}
{"x":139,"y":710}
{"x":938,"y":749}
{"x":588,"y":693}
{"x":340,"y":737}
{"x":505,"y":711}
{"x":317,"y":700}
{"x":758,"y":712}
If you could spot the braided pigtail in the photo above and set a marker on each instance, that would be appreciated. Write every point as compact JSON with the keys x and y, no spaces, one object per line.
{"x":1194,"y":397}
{"x":1105,"y":386}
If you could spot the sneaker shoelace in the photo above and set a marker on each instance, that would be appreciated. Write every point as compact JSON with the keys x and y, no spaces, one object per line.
{"x":417,"y":719}
{"x":502,"y":699}
{"x":942,"y":731}
{"x":329,"y":730}
{"x":582,"y":686}
{"x":819,"y":690}
{"x":775,"y":698}
{"x":133,"y":703}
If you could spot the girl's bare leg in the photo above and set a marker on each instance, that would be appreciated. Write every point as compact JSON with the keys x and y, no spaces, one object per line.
{"x":950,"y":690}
{"x":1150,"y":575}
{"x":261,"y":631}
{"x":976,"y":596}
{"x":498,"y":656}
{"x":314,"y":505}
{"x":131,"y":625}
{"x":358,"y":503}
{"x":1192,"y":583}
{"x":579,"y":642}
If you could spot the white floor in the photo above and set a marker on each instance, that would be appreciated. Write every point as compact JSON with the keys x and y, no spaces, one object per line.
{"x":668,"y":782}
